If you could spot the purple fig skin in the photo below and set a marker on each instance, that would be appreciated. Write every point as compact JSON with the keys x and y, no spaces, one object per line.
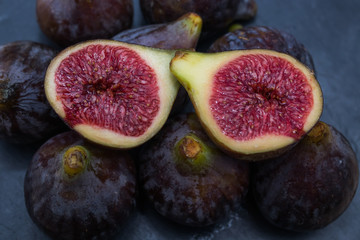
{"x":186,"y":191}
{"x":215,"y":14}
{"x":263,"y":37}
{"x":67,"y":22}
{"x":311,"y":185}
{"x":25,"y":114}
{"x":92,"y":204}
{"x":183,"y":33}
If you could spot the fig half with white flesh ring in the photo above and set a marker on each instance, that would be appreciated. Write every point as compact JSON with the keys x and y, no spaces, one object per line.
{"x":254,"y":104}
{"x":112,"y":93}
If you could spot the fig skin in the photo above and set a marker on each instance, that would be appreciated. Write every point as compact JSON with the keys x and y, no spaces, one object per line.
{"x":92,"y":204}
{"x":182,"y":33}
{"x":189,"y":186}
{"x":25,"y":114}
{"x":67,"y":22}
{"x":215,"y":14}
{"x":233,"y":104}
{"x":263,"y":37}
{"x":311,"y":185}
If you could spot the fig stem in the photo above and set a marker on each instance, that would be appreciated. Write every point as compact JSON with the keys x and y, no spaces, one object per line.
{"x":189,"y":147}
{"x":75,"y":160}
{"x":319,"y":132}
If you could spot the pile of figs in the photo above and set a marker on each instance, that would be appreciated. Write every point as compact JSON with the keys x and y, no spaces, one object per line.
{"x":123,"y":113}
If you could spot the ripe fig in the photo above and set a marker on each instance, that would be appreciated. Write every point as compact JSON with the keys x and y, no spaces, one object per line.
{"x":263,"y":37}
{"x":78,"y":190}
{"x":67,"y":22}
{"x":113,"y":93}
{"x":25,"y":114}
{"x":215,"y":14}
{"x":187,"y":178}
{"x":309,"y":186}
{"x":254,"y":104}
{"x":183,"y":33}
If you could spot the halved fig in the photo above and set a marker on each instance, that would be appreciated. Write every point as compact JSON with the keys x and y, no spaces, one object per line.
{"x":112,"y":93}
{"x":254,"y":104}
{"x":183,"y":33}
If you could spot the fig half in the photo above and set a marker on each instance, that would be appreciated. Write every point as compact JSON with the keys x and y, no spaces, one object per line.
{"x":254,"y":104}
{"x":112,"y":93}
{"x":75,"y":189}
{"x":311,"y":185}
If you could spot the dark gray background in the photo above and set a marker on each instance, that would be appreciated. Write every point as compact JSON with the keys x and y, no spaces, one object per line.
{"x":330,"y":29}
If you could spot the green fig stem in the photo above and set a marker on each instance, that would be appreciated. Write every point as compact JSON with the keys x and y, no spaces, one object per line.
{"x":75,"y":160}
{"x":192,"y":153}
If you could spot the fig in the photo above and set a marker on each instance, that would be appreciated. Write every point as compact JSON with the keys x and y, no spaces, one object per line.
{"x":75,"y":189}
{"x":215,"y":14}
{"x":112,"y":93}
{"x":25,"y":114}
{"x":67,"y":22}
{"x":263,"y":37}
{"x":182,"y":33}
{"x":309,"y":186}
{"x":254,"y":104}
{"x":186,"y":178}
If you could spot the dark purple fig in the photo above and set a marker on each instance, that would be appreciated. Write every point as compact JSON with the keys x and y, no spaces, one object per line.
{"x":247,"y":10}
{"x":263,"y":37}
{"x":25,"y":114}
{"x":186,"y":178}
{"x":215,"y":14}
{"x":183,"y":33}
{"x":78,"y":190}
{"x":310,"y":186}
{"x":67,"y":22}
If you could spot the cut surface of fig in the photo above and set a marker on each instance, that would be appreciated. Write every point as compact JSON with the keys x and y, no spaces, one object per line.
{"x":250,"y":101}
{"x":113,"y":93}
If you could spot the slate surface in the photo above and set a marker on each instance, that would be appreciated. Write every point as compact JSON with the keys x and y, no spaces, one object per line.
{"x":330,"y":30}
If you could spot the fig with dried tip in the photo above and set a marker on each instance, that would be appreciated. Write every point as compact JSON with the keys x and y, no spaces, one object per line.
{"x":187,"y":179}
{"x":112,"y":93}
{"x":25,"y":114}
{"x":309,"y":186}
{"x":183,"y":33}
{"x":75,"y":189}
{"x":254,"y":104}
{"x":67,"y":22}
